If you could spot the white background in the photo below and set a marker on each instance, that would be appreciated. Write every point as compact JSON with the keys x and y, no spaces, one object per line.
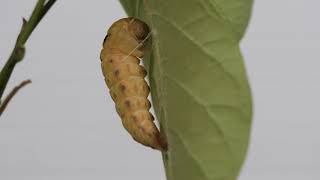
{"x":64,"y":125}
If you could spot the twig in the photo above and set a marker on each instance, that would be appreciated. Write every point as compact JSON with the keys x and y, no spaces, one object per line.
{"x":13,"y":92}
{"x":27,"y":28}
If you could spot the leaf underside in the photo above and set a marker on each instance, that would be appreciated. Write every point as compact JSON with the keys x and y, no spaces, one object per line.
{"x":199,"y":87}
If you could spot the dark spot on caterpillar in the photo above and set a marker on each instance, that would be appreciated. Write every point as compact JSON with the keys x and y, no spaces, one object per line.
{"x":134,"y":119}
{"x":113,"y":95}
{"x":127,"y":103}
{"x":105,"y":38}
{"x":116,"y":72}
{"x":111,"y":60}
{"x":122,"y":87}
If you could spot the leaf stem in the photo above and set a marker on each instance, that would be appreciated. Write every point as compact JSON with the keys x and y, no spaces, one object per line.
{"x":27,"y":28}
{"x":11,"y":94}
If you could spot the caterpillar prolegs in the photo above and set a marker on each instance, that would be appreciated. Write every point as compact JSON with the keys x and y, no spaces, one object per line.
{"x":123,"y":45}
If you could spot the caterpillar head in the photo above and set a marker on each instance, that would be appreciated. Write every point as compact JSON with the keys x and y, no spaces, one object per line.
{"x":128,"y":34}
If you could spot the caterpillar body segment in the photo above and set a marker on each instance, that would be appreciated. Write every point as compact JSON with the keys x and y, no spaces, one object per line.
{"x":124,"y":44}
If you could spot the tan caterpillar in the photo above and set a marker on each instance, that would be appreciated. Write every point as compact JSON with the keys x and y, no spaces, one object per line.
{"x":123,"y":45}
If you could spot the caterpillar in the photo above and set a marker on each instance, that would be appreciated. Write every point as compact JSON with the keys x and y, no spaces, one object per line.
{"x":123,"y":47}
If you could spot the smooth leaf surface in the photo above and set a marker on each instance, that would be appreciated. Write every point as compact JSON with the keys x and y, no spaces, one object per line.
{"x":198,"y":84}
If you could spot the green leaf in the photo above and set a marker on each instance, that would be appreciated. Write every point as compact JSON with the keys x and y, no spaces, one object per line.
{"x":199,"y":87}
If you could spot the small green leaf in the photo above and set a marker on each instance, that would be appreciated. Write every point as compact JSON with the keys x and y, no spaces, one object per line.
{"x":198,"y":84}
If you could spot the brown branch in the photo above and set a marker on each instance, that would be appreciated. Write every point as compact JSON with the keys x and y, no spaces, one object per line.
{"x":13,"y":92}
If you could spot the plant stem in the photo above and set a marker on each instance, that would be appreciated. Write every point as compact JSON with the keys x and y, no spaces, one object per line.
{"x":17,"y":53}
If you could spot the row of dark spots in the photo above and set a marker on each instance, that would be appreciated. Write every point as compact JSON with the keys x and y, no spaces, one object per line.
{"x":150,"y":135}
{"x":141,"y":128}
{"x":117,"y":71}
{"x":147,"y":104}
{"x":122,"y":88}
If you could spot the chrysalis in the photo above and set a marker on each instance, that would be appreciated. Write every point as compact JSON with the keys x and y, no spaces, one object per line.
{"x":123,"y":45}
